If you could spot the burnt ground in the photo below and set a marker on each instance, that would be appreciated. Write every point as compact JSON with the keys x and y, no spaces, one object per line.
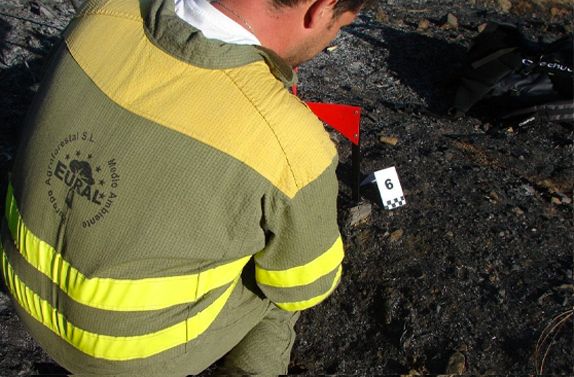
{"x":474,"y":274}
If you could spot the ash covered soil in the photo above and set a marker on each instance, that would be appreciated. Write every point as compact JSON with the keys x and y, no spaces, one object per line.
{"x":474,"y":274}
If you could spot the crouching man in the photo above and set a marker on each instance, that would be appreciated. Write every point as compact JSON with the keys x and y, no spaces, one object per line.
{"x":171,"y":202}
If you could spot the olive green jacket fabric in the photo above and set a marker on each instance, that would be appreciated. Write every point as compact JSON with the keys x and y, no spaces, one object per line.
{"x":168,"y":190}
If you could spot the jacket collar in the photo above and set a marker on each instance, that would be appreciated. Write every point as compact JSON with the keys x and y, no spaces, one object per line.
{"x":176,"y":37}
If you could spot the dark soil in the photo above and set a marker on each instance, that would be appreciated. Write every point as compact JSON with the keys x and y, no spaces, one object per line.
{"x":473,"y":273}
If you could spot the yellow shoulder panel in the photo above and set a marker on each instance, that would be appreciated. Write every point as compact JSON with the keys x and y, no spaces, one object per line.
{"x":255,"y":120}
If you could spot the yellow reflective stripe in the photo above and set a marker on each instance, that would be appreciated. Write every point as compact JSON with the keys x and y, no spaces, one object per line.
{"x":306,"y":274}
{"x":105,"y":346}
{"x":306,"y":304}
{"x":114,"y":294}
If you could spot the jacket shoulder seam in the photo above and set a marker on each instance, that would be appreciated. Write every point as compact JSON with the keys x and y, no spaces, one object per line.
{"x":103,"y":11}
{"x":248,"y":98}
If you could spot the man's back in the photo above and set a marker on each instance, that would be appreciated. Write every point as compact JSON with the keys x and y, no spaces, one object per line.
{"x":156,"y":163}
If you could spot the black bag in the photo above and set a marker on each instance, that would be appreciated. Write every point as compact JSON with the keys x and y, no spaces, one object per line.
{"x":515,"y":80}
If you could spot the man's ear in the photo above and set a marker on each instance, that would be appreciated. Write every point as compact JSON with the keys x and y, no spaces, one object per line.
{"x":318,"y":12}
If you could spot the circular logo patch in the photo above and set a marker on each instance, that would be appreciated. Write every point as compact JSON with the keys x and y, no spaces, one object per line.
{"x":88,"y":179}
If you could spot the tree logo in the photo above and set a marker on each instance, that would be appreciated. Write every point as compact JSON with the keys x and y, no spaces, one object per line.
{"x":79,"y":181}
{"x":81,"y":172}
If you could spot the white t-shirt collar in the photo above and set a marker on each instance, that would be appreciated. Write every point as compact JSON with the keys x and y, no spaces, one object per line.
{"x":213,"y":23}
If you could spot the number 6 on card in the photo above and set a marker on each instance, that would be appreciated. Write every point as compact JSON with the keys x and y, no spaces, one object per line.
{"x":390,"y":188}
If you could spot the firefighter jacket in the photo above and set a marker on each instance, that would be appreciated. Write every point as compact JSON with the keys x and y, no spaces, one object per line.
{"x":155,"y":165}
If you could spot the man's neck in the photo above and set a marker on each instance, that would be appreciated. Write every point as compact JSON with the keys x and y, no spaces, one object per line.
{"x":214,"y":23}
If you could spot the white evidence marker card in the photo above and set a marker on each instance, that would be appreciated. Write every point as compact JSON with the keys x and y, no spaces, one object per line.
{"x":390,"y":188}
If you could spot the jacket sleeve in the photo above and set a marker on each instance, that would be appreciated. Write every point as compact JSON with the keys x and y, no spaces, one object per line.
{"x":301,"y":263}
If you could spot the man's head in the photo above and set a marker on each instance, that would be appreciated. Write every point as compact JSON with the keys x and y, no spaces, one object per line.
{"x":317,"y":23}
{"x":297,"y":30}
{"x":341,"y":6}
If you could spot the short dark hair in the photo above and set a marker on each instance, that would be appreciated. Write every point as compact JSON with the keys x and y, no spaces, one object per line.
{"x":341,"y":7}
